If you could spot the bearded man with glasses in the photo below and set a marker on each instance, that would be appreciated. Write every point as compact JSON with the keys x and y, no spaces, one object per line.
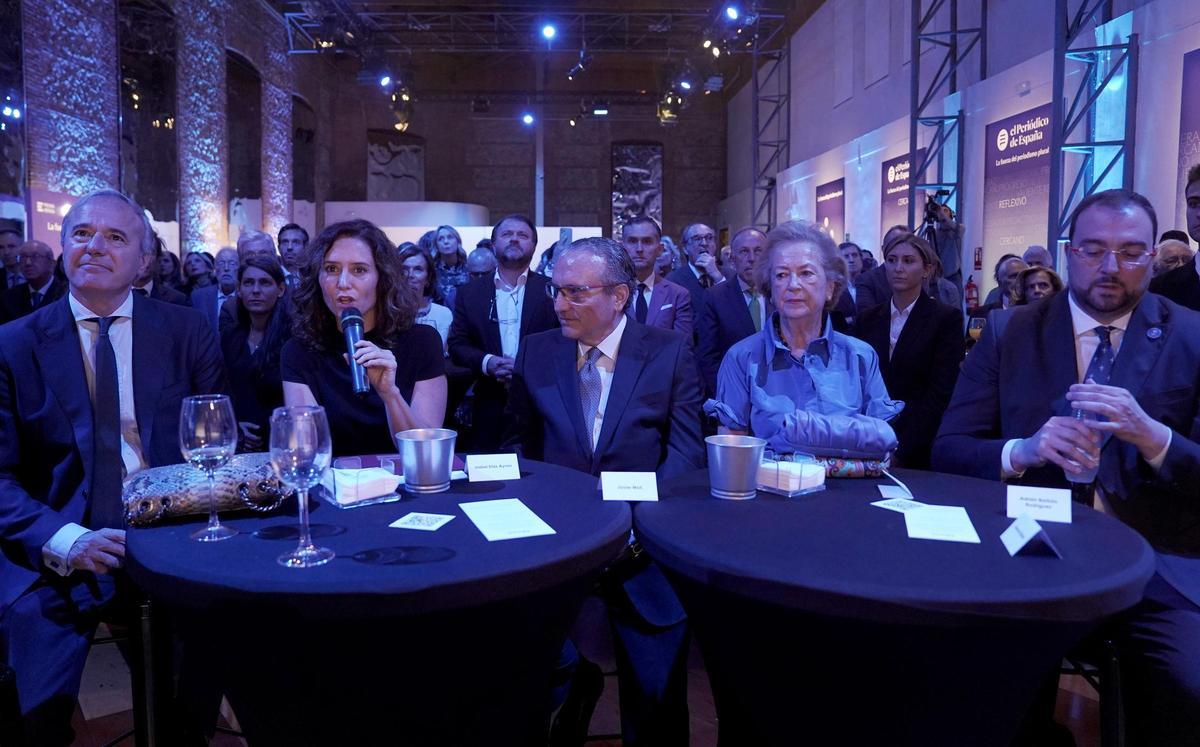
{"x":1104,"y":380}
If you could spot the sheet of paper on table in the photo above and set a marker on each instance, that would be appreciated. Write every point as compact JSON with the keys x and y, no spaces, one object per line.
{"x":945,"y":523}
{"x":505,"y":518}
{"x":899,"y":503}
{"x":485,"y":467}
{"x":422,"y":522}
{"x":629,"y":486}
{"x":1026,"y":533}
{"x":1041,"y":504}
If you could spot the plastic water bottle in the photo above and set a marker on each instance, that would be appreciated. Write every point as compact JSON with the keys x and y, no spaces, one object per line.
{"x":1088,"y":476}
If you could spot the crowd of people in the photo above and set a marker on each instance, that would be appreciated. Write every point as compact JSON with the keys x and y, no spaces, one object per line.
{"x":623,"y":355}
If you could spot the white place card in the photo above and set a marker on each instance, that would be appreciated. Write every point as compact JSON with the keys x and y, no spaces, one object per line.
{"x":629,"y":486}
{"x":485,"y":467}
{"x":422,"y":522}
{"x":900,"y":504}
{"x":505,"y":518}
{"x":1026,"y":533}
{"x":944,"y":523}
{"x":1042,"y":504}
{"x":894,"y":491}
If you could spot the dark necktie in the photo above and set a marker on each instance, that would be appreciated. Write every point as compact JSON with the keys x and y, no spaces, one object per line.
{"x":705,"y":280}
{"x":35,"y":299}
{"x":755,"y":311}
{"x":589,"y":392}
{"x":140,"y":291}
{"x":640,"y":307}
{"x":106,"y":508}
{"x":1100,"y":369}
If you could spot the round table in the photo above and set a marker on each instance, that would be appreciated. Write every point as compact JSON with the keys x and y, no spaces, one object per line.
{"x":818,"y":617}
{"x":438,"y":637}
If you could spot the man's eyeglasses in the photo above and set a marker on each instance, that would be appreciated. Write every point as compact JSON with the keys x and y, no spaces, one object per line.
{"x":574,"y":293}
{"x":1128,"y":257}
{"x":706,"y":238}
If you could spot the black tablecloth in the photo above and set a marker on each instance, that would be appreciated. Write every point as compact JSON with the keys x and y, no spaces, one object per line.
{"x":435,"y":637}
{"x":818,"y":615}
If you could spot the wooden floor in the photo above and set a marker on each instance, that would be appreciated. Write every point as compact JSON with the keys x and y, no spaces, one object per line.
{"x":106,"y":696}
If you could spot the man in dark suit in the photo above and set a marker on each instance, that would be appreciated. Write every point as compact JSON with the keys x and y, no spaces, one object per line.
{"x":732,"y":310}
{"x":210,"y":299}
{"x":608,"y":393}
{"x":90,"y":387}
{"x":10,"y":244}
{"x":1182,"y":285}
{"x":492,"y":316}
{"x":701,"y":270}
{"x":656,"y":302}
{"x":1137,"y":355}
{"x":146,"y":285}
{"x":872,"y":287}
{"x":36,"y":262}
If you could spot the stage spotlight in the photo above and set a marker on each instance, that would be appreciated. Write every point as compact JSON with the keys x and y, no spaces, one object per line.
{"x":599,"y":108}
{"x":572,"y":121}
{"x":716,"y":51}
{"x":385,"y":80}
{"x":549,"y":31}
{"x":732,"y":12}
{"x":707,"y":43}
{"x":685,"y":84}
{"x":527,"y":119}
{"x":585,"y":59}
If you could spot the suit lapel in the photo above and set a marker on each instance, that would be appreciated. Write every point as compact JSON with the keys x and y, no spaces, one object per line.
{"x":631,"y":359}
{"x":1141,"y":345}
{"x":658,"y":295}
{"x":151,"y":339}
{"x":566,"y":372}
{"x":534,"y":289}
{"x":61,"y":362}
{"x":916,"y":326}
{"x":1057,"y":348}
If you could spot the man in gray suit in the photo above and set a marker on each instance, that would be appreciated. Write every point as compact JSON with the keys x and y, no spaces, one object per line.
{"x":210,"y":298}
{"x":656,"y":303}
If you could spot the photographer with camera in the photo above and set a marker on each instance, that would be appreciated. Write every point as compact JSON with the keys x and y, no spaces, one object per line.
{"x":945,"y":234}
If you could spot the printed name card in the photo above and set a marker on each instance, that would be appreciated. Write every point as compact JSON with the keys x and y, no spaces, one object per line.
{"x":629,"y":486}
{"x":485,"y":467}
{"x":893,"y":491}
{"x":1026,"y":533}
{"x":945,"y":523}
{"x":1041,"y":504}
{"x":506,"y":518}
{"x":421,"y":522}
{"x":901,"y":505}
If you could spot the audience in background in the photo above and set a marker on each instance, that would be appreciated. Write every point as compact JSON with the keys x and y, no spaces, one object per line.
{"x":799,"y":384}
{"x":428,"y":242}
{"x":657,"y":302}
{"x":733,"y":310}
{"x":10,"y":244}
{"x":209,"y":299}
{"x":919,"y":343}
{"x":948,"y":236}
{"x":868,"y":259}
{"x":292,"y":240}
{"x":872,"y":287}
{"x":484,"y":243}
{"x":545,"y":266}
{"x":1038,"y":256}
{"x":1182,"y":285}
{"x":199,"y":271}
{"x":169,"y":271}
{"x":451,"y":264}
{"x":35,"y":261}
{"x":417,"y":269}
{"x":353,"y":265}
{"x":1035,"y":283}
{"x":481,"y":263}
{"x":1008,"y":269}
{"x":252,"y":346}
{"x":147,"y":284}
{"x":1172,"y":253}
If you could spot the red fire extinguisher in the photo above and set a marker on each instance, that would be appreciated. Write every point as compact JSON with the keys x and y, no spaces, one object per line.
{"x":971,"y":291}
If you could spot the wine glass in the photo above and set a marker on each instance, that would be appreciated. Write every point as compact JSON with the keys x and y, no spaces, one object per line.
{"x":208,"y":437}
{"x":975,"y":327}
{"x":301,"y":451}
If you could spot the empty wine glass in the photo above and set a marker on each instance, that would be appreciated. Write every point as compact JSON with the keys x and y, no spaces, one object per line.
{"x":301,"y":451}
{"x":208,"y":437}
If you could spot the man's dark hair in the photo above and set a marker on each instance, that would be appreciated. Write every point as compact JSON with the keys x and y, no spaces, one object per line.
{"x":640,"y":220}
{"x":1175,"y":234}
{"x":1000,"y":263}
{"x":1193,"y":175}
{"x":618,"y":267}
{"x":293,"y":227}
{"x":1115,"y":199}
{"x":10,"y":229}
{"x":850,"y":245}
{"x":515,"y":216}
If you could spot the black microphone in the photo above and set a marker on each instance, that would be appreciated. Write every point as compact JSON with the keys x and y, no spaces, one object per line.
{"x":352,"y":328}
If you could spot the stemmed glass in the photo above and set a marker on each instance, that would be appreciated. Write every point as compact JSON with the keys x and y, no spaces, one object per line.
{"x":301,"y":451}
{"x":208,"y":437}
{"x":975,"y":327}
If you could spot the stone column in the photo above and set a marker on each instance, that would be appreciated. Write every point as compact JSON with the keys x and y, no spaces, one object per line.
{"x":200,"y":125}
{"x":72,"y":94}
{"x":277,"y":137}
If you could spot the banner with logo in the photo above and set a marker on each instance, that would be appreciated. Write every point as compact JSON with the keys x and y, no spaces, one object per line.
{"x":893,"y":197}
{"x":1016,"y":185}
{"x":831,"y":208}
{"x":1189,"y":128}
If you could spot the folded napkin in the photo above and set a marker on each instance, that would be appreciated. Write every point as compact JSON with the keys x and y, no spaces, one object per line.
{"x":353,"y":485}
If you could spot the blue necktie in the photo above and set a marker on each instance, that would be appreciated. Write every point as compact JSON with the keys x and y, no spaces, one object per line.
{"x":1100,"y":369}
{"x":640,"y":309}
{"x":35,"y":299}
{"x":106,"y":507}
{"x":589,"y":392}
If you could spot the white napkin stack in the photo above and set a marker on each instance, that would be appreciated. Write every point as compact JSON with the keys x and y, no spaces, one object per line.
{"x":790,"y":476}
{"x":354,"y":485}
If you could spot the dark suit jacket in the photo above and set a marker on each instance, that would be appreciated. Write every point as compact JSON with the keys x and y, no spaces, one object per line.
{"x":921,"y":371}
{"x":475,"y":333}
{"x":872,"y":288}
{"x":46,"y":419}
{"x":685,"y":278}
{"x":669,"y":307}
{"x":652,"y":418}
{"x":725,"y":321}
{"x":16,"y":302}
{"x":1181,"y":285}
{"x":1016,"y":378}
{"x":204,"y":300}
{"x":167,"y":294}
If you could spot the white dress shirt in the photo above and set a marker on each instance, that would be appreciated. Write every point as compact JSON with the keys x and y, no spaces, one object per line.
{"x":1086,"y":342}
{"x":606,"y":366}
{"x":54,"y":552}
{"x":509,"y":303}
{"x":899,"y":319}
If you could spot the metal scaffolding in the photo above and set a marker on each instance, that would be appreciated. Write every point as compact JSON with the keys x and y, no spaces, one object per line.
{"x":771,"y":124}
{"x":952,"y":47}
{"x":1078,"y":151}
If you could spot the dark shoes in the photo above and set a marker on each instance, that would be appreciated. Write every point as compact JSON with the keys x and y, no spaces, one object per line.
{"x":570,"y":727}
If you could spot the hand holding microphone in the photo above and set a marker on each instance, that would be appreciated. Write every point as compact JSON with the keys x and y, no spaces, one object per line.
{"x":371,"y":367}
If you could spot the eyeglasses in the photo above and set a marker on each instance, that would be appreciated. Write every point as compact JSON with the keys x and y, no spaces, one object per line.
{"x":1128,"y":257}
{"x":707,"y":238}
{"x":574,"y":293}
